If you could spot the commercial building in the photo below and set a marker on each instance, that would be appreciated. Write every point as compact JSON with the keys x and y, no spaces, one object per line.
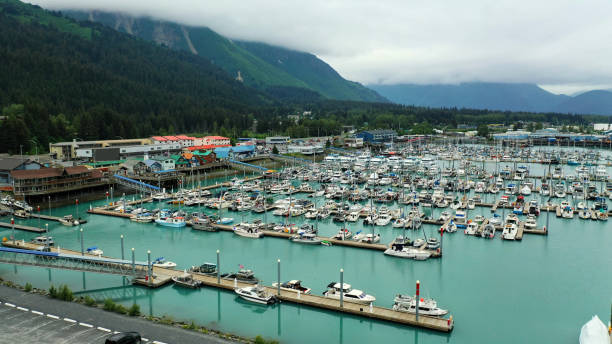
{"x":120,"y":153}
{"x":306,"y":149}
{"x":8,"y":165}
{"x":602,"y":126}
{"x":54,"y":180}
{"x":378,"y":135}
{"x":277,"y":140}
{"x":67,"y":150}
{"x":353,"y":142}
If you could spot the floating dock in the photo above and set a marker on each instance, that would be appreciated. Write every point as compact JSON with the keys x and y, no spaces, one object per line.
{"x":164,"y":276}
{"x":22,"y":227}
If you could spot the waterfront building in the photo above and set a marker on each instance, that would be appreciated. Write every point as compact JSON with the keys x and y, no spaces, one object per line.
{"x":55,"y":180}
{"x":277,"y":140}
{"x":377,"y":135}
{"x":68,"y":150}
{"x":353,"y":142}
{"x":8,"y":165}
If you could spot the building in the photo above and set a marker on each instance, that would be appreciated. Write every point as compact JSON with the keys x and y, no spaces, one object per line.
{"x":235,"y":152}
{"x":378,"y":135}
{"x":512,"y":135}
{"x":67,"y":150}
{"x":277,"y":140}
{"x":306,"y":149}
{"x":216,"y":141}
{"x":8,"y":165}
{"x":353,"y":142}
{"x":167,"y":163}
{"x":602,"y":126}
{"x":54,"y":180}
{"x":121,"y":153}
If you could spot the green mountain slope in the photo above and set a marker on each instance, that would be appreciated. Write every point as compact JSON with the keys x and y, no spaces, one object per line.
{"x":257,"y":63}
{"x":88,"y":81}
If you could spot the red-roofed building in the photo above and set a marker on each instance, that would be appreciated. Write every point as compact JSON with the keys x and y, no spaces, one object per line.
{"x":215,"y":140}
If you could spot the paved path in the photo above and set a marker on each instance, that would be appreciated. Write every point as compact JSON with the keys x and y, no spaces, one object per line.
{"x":22,"y":323}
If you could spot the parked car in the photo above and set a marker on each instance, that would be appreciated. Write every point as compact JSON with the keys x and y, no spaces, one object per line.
{"x":124,"y":338}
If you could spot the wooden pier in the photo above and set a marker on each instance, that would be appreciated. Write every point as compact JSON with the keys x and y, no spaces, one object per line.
{"x":163,"y":276}
{"x":22,"y":227}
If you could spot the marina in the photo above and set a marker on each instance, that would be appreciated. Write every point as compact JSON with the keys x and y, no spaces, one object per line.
{"x":365,"y":265}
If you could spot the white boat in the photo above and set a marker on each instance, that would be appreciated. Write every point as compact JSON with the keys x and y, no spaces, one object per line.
{"x":176,"y":222}
{"x":594,"y":332}
{"x":509,"y":232}
{"x":68,"y":221}
{"x":405,"y":303}
{"x":405,"y":251}
{"x":471,"y":228}
{"x":294,"y":286}
{"x":248,"y":231}
{"x":353,"y":216}
{"x":95,"y":251}
{"x":305,"y":238}
{"x":419,"y":242}
{"x":496,"y":220}
{"x":471,"y":204}
{"x":225,"y":220}
{"x":383,"y":220}
{"x":531,"y":222}
{"x":343,"y":234}
{"x":43,"y":240}
{"x":371,"y":238}
{"x":161,"y":262}
{"x":349,"y":295}
{"x":255,"y":294}
{"x":526,"y":190}
{"x":433,"y":244}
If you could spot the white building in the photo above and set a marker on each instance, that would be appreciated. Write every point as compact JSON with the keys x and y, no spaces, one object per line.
{"x":306,"y":150}
{"x":602,"y":126}
{"x":277,"y":140}
{"x":215,"y":140}
{"x":353,"y":142}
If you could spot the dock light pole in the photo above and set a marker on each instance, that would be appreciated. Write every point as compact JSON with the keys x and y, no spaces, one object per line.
{"x":149,"y":272}
{"x":76,"y":206}
{"x":13,"y":229}
{"x":218,"y":266}
{"x":106,"y":198}
{"x":418,"y":289}
{"x":122,"y":254}
{"x":38,"y":210}
{"x":278,"y":279}
{"x":133,"y":263}
{"x":49,"y":205}
{"x":82,"y":247}
{"x":341,"y":288}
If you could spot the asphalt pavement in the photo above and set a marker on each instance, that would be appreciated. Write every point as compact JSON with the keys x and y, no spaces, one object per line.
{"x":32,"y":318}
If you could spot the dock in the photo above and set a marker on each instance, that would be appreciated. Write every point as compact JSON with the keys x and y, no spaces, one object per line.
{"x":164,"y":276}
{"x":22,"y":227}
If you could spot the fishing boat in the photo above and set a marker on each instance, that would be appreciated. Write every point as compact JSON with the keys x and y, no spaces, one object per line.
{"x":176,"y":222}
{"x":426,"y":306}
{"x":256,"y":294}
{"x":334,"y":290}
{"x":186,"y":280}
{"x":161,"y":262}
{"x":294,"y":286}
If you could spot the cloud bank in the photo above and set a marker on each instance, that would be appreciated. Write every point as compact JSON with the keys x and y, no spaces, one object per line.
{"x":563,"y":44}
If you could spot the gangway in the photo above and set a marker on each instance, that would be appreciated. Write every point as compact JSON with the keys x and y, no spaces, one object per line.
{"x":121,"y":293}
{"x":248,"y":166}
{"x":75,"y":262}
{"x":135,"y":184}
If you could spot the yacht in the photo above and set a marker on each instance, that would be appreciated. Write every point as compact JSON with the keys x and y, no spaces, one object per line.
{"x":161,"y":262}
{"x":402,"y":250}
{"x":371,"y":238}
{"x":531,"y":222}
{"x":294,"y":286}
{"x":433,"y":244}
{"x":43,"y":240}
{"x":243,"y":276}
{"x":248,"y":230}
{"x":444,"y":216}
{"x":471,"y":229}
{"x":488,"y":231}
{"x":256,"y":294}
{"x":350,"y":295}
{"x":343,"y":234}
{"x":353,"y":216}
{"x":471,"y":204}
{"x":406,"y":303}
{"x":460,"y":218}
{"x":509,"y":232}
{"x":383,"y":220}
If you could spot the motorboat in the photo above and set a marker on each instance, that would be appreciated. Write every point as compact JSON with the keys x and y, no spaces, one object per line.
{"x":248,"y":230}
{"x":402,"y":250}
{"x":176,"y":222}
{"x":531,"y":222}
{"x":352,"y":217}
{"x":510,"y":231}
{"x":488,"y":231}
{"x":419,"y":242}
{"x":256,"y":294}
{"x":68,"y":220}
{"x":94,"y":251}
{"x":334,"y":290}
{"x":305,"y":238}
{"x":479,"y":219}
{"x":399,"y":223}
{"x":225,"y":220}
{"x":460,"y":218}
{"x":471,"y":204}
{"x":383,"y":220}
{"x":406,"y":303}
{"x":142,"y":218}
{"x":371,"y":238}
{"x":161,"y":262}
{"x":208,"y":269}
{"x":433,"y":244}
{"x":43,"y":240}
{"x":186,"y":280}
{"x":471,"y":229}
{"x":444,"y":216}
{"x":243,"y":275}
{"x":294,"y":286}
{"x":495,"y":220}
{"x":594,"y":332}
{"x":343,"y":234}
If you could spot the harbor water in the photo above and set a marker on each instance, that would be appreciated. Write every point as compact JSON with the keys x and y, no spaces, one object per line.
{"x":538,"y":290}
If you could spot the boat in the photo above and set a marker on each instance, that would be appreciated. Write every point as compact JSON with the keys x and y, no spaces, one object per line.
{"x":419,"y":242}
{"x":243,"y":275}
{"x":427,"y":306}
{"x":43,"y":240}
{"x":343,"y":234}
{"x":20,"y":213}
{"x":161,"y":262}
{"x":95,"y":251}
{"x":383,"y":220}
{"x":68,"y":220}
{"x":186,"y":280}
{"x":306,"y":238}
{"x":208,"y":269}
{"x":594,"y":332}
{"x":176,"y":222}
{"x":256,"y":294}
{"x":496,"y":220}
{"x":294,"y":286}
{"x":203,"y":225}
{"x":509,"y":232}
{"x":531,"y":222}
{"x":349,"y":295}
{"x":488,"y":231}
{"x":371,"y":238}
{"x":433,"y":244}
{"x":471,"y":204}
{"x":402,"y":250}
{"x":142,"y":218}
{"x":353,"y":216}
{"x":444,"y":216}
{"x":225,"y":220}
{"x":248,"y":230}
{"x":471,"y":228}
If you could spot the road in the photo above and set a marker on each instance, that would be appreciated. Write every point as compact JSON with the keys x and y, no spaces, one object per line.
{"x":32,"y":318}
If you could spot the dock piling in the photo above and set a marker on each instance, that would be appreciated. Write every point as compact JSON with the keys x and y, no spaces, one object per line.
{"x":122,"y":253}
{"x":13,"y":226}
{"x":149,"y":269}
{"x":341,"y":288}
{"x":82,"y":247}
{"x":218,"y":269}
{"x":278,"y":282}
{"x":133,"y":262}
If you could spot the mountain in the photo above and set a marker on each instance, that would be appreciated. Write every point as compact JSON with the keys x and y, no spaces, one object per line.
{"x":592,"y":102}
{"x":80,"y":79}
{"x":258,"y":65}
{"x":475,"y":95}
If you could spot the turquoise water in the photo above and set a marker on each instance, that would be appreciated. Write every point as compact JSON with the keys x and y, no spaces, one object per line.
{"x":539,"y":290}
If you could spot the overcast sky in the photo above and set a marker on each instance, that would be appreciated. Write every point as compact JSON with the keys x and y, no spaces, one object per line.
{"x":562,"y":45}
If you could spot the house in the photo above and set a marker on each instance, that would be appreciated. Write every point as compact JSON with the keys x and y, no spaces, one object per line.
{"x":378,"y":135}
{"x":353,"y":142}
{"x":167,"y":163}
{"x":7,"y":165}
{"x":133,"y":167}
{"x":153,"y":165}
{"x":205,"y":157}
